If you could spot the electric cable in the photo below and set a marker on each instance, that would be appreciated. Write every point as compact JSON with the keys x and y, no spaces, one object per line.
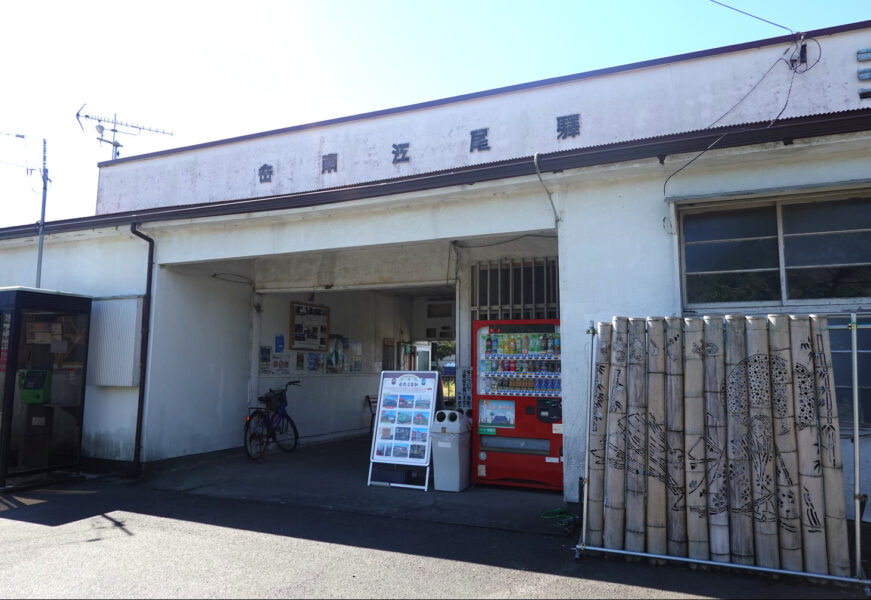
{"x":754,"y":16}
{"x":785,"y":104}
{"x":792,"y":64}
{"x":520,"y":237}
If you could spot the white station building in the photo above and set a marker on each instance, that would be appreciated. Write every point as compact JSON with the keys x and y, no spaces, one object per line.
{"x":565,"y":198}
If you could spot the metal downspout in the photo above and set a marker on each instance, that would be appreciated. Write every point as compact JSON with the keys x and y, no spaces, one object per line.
{"x":143,"y":351}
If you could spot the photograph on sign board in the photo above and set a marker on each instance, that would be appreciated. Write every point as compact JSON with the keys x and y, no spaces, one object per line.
{"x":383,"y":449}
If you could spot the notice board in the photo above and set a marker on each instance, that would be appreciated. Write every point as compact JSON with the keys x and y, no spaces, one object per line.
{"x":406,"y":405}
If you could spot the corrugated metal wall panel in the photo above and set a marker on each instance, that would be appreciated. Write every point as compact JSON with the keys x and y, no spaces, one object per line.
{"x":113,"y":358}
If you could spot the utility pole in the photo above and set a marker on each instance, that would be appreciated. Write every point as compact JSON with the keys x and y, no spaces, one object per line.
{"x":42,"y":218}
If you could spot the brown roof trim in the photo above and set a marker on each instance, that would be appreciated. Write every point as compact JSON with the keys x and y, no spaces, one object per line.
{"x":785,"y":131}
{"x":501,"y":90}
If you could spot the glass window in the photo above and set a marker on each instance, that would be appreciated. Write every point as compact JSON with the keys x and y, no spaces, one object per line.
{"x":734,"y":257}
{"x":813,"y":217}
{"x":730,"y":224}
{"x":731,"y":256}
{"x":755,"y":286}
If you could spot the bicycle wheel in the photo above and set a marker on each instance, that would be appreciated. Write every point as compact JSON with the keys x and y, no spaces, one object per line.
{"x":256,"y":436}
{"x":286,"y":435}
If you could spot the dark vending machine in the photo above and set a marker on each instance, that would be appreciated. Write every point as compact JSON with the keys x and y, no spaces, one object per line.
{"x":43,"y":362}
{"x":517,"y":403}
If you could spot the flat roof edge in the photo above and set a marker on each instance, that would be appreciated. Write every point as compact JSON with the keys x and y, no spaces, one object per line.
{"x":497,"y":91}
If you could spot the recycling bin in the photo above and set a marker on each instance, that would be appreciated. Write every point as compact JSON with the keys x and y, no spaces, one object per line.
{"x":450,"y":435}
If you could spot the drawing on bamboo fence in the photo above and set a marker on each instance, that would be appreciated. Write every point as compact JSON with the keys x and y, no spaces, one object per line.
{"x":635,"y":446}
{"x":726,"y":441}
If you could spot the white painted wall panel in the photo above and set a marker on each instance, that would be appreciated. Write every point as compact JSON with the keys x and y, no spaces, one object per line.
{"x":109,"y":422}
{"x":115,"y":342}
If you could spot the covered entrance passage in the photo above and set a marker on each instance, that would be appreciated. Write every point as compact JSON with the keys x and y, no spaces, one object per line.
{"x":229,"y":330}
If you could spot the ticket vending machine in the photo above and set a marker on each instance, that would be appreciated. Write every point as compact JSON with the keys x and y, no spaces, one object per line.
{"x":517,"y":404}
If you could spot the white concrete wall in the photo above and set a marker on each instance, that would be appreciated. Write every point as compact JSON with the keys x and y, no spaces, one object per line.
{"x":488,"y":208}
{"x":669,"y":98}
{"x":615,"y":258}
{"x":422,"y":322}
{"x":196,"y":387}
{"x":359,"y":268}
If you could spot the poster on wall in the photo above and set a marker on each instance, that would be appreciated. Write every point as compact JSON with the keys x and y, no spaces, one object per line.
{"x":314,"y":361}
{"x":337,"y":359}
{"x":356,"y":350}
{"x":280,"y":364}
{"x":406,"y":405}
{"x":265,"y":359}
{"x":309,"y":326}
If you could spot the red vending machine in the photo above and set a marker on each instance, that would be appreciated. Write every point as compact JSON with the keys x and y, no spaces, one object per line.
{"x":517,"y":437}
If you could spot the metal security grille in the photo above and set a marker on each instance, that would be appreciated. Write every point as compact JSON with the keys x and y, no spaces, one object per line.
{"x":516,"y":289}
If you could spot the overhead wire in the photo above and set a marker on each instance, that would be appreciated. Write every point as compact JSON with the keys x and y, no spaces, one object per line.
{"x":793,"y":64}
{"x":751,"y":15}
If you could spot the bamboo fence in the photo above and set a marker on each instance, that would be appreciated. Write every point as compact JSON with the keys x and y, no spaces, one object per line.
{"x":718,"y":439}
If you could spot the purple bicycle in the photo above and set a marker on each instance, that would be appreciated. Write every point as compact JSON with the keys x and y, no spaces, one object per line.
{"x":270,"y":424}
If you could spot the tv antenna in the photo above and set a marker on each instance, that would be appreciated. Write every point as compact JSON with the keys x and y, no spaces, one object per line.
{"x":117,"y":127}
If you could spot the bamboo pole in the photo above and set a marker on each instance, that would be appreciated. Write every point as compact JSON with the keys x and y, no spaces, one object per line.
{"x":715,"y":439}
{"x":694,"y":435}
{"x":636,"y":437}
{"x":674,"y":417}
{"x":615,"y":467}
{"x":738,"y":450}
{"x":813,"y":530}
{"x":762,"y":445}
{"x":786,"y":454}
{"x":830,"y":450}
{"x":599,"y":415}
{"x":657,"y":468}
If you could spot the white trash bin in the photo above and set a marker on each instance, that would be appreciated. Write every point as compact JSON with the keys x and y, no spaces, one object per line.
{"x":450,"y":435}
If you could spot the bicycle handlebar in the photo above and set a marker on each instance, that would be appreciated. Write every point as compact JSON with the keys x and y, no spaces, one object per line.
{"x":284,"y":387}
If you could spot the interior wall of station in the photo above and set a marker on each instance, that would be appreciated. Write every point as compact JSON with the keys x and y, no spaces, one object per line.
{"x":332,"y":405}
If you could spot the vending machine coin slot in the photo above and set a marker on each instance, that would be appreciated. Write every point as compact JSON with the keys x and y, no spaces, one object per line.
{"x":550,"y":410}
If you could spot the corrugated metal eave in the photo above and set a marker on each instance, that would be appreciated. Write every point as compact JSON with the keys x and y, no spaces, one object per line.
{"x":735,"y":136}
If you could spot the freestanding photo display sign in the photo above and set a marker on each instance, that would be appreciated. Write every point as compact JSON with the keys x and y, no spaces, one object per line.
{"x":406,"y":404}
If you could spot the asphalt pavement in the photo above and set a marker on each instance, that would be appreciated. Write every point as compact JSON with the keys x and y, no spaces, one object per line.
{"x":220,"y":526}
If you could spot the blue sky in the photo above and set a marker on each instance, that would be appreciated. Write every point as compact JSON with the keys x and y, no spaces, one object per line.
{"x":208,"y":71}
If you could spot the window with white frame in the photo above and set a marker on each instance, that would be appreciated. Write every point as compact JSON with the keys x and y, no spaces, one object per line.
{"x":788,"y":255}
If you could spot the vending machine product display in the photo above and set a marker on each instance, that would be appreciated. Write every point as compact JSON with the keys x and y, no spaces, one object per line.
{"x":517,"y":404}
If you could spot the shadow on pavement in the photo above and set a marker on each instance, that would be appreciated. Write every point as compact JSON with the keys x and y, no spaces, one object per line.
{"x":319,"y":493}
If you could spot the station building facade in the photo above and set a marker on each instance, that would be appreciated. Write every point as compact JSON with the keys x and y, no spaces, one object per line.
{"x":733,"y":180}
